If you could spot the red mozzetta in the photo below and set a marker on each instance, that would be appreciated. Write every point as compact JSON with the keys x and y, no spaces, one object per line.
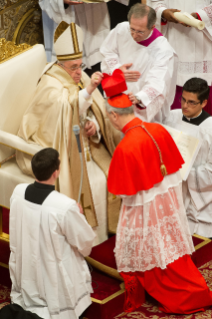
{"x":135,"y":165}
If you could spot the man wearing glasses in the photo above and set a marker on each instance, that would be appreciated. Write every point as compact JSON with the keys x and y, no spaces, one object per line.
{"x":197,"y":190}
{"x":148,"y":61}
{"x":65,"y":97}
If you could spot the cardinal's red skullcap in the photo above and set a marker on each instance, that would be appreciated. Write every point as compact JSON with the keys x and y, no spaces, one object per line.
{"x":114,"y":84}
{"x":120,"y":101}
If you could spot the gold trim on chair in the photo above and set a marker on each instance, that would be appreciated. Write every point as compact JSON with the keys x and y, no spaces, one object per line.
{"x":102,"y":302}
{"x":9,"y":50}
{"x":205,"y":241}
{"x":4,"y":265}
{"x":17,"y":149}
{"x":21,"y":25}
{"x":106,"y":269}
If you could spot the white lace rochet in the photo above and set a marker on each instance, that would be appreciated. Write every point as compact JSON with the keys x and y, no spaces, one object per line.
{"x":153,"y":229}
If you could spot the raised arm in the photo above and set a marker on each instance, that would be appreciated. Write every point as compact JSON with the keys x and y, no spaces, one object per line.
{"x":206,"y":16}
{"x":160,"y":85}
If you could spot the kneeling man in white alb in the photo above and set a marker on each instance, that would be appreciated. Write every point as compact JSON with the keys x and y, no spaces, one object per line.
{"x":49,"y":237}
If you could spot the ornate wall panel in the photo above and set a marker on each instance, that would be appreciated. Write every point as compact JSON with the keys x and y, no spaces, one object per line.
{"x":21,"y":21}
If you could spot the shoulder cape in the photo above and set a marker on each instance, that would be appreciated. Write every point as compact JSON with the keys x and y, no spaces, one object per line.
{"x":135,"y":165}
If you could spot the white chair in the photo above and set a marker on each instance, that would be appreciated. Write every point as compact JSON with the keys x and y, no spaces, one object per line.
{"x":19,"y":76}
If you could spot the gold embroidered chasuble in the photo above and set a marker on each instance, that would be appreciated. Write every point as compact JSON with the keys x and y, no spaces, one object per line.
{"x":48,"y":122}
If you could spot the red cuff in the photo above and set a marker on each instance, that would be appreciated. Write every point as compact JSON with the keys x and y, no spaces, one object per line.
{"x":198,"y":16}
{"x":163,"y":22}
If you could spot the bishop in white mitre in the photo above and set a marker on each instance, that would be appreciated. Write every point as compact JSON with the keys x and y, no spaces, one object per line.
{"x":64,"y":97}
{"x":93,"y":18}
{"x":194,"y":120}
{"x":147,"y":60}
{"x":193,"y":47}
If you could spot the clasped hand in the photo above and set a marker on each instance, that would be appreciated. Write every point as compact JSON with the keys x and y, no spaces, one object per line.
{"x":90,"y":128}
{"x":168,"y":14}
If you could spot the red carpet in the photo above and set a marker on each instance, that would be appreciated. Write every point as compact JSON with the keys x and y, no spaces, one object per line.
{"x":5,"y":220}
{"x":4,"y":295}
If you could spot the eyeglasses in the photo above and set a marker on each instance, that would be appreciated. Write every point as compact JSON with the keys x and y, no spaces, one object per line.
{"x":137,"y":32}
{"x":190,"y":103}
{"x":74,"y":68}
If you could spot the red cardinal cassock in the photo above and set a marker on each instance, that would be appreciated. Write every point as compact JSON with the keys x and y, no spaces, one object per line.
{"x":153,"y":241}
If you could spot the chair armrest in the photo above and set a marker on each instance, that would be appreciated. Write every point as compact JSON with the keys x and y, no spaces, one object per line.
{"x":18,"y":143}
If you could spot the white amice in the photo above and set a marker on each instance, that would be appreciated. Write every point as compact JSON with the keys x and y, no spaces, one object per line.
{"x":193,"y":47}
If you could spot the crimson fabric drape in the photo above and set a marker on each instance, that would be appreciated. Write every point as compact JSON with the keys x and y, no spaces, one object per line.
{"x":180,"y":288}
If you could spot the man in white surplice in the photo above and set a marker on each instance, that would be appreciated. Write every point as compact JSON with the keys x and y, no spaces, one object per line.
{"x":93,"y":18}
{"x":147,"y":60}
{"x":197,"y":190}
{"x":193,"y":47}
{"x":48,"y":238}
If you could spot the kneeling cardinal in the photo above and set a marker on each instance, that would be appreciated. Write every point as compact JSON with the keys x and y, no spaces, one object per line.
{"x":153,"y":242}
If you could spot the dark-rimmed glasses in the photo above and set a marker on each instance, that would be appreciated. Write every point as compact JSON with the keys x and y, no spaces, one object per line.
{"x":189,"y":103}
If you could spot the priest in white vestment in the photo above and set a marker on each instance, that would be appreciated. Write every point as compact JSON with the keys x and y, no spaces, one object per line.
{"x":193,"y":47}
{"x":58,"y":104}
{"x":197,"y":190}
{"x":49,"y":237}
{"x":93,"y":18}
{"x":147,"y":60}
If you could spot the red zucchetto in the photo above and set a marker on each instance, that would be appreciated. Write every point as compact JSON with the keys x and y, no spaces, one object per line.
{"x":120,"y":101}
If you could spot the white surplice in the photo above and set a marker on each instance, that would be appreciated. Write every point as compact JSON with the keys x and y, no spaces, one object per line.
{"x":49,"y":274}
{"x":97,"y":178}
{"x":197,"y":190}
{"x":93,"y":18}
{"x":157,"y":64}
{"x":153,"y":229}
{"x":193,"y":47}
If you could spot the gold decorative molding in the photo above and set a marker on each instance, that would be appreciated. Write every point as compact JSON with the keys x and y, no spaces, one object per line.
{"x":21,"y":21}
{"x":9,"y":50}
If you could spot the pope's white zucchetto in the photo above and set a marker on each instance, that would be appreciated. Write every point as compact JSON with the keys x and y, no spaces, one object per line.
{"x":68,"y":41}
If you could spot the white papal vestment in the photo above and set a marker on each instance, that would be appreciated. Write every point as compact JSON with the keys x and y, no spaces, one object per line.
{"x":157,"y":64}
{"x":49,"y":274}
{"x":193,"y":47}
{"x":93,"y":18}
{"x":197,"y":190}
{"x":97,"y":179}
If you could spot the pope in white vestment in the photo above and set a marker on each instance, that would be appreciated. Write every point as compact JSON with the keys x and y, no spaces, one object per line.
{"x":59,"y":104}
{"x":193,"y":47}
{"x":151,"y":55}
{"x":93,"y":18}
{"x":49,"y":239}
{"x":197,"y":189}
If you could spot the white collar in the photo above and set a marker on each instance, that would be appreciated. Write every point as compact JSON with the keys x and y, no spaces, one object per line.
{"x":149,"y":35}
{"x":191,"y":118}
